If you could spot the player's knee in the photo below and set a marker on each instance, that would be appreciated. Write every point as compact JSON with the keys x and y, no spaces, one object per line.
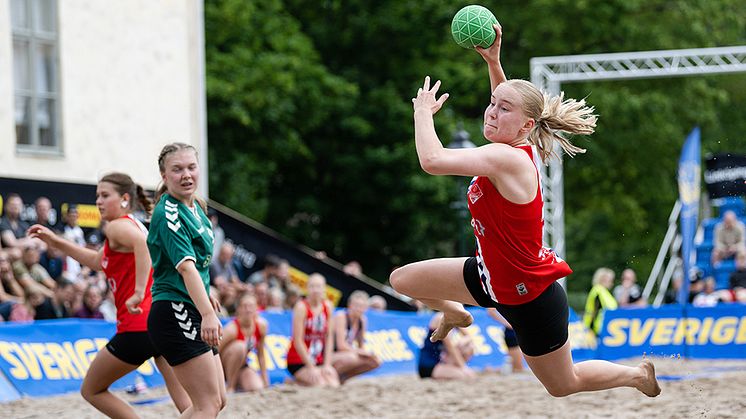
{"x":87,"y":392}
{"x":559,"y":391}
{"x":398,"y":281}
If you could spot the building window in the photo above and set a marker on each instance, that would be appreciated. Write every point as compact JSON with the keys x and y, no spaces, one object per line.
{"x":36,"y":75}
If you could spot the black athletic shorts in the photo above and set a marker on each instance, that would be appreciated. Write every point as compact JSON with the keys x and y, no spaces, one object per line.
{"x":174,"y":328}
{"x":293,"y":368}
{"x":425,"y":372}
{"x":132,"y":347}
{"x":540,"y":325}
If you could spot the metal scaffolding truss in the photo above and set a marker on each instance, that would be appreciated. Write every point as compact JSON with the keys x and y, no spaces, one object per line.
{"x":548,"y":73}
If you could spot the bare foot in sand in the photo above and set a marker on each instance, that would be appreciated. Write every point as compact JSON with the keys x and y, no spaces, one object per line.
{"x":450,"y":320}
{"x":649,"y":384}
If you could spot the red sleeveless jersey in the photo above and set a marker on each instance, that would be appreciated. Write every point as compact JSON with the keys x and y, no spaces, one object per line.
{"x":120,"y":272}
{"x":514,"y":266}
{"x":314,"y":337}
{"x":251,"y":342}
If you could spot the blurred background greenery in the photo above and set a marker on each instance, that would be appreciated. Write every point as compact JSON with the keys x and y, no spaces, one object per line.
{"x":310,"y":122}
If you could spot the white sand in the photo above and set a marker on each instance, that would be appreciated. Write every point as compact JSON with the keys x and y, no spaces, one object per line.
{"x":710,"y":389}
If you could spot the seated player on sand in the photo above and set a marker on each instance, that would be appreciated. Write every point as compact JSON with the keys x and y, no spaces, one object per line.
{"x":310,"y":352}
{"x":242,"y":335}
{"x":443,"y":359}
{"x":350,"y":357}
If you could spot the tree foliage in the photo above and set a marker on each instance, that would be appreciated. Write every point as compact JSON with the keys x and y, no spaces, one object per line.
{"x":310,"y":125}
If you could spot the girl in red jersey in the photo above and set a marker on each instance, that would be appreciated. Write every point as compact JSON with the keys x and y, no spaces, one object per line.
{"x":511,"y":271}
{"x":310,"y":354}
{"x":245,"y":333}
{"x":125,"y":260}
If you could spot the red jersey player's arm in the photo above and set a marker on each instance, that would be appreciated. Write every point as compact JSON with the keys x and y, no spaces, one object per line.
{"x":88,"y":257}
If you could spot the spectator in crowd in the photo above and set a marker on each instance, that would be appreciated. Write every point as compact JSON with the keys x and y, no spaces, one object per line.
{"x":350,"y":357}
{"x":72,"y":232}
{"x":628,"y":293}
{"x":271,"y":263}
{"x":709,"y":297}
{"x":241,"y":336}
{"x":511,"y":341}
{"x":12,"y":228}
{"x":261,"y":291}
{"x":281,"y":278}
{"x":276,"y":301}
{"x":228,"y":296}
{"x":292,"y":295}
{"x":309,"y":356}
{"x":58,"y":306}
{"x":71,"y":229}
{"x":7,"y":299}
{"x":44,"y":216}
{"x":442,"y":359}
{"x":95,"y":239}
{"x":217,"y":232}
{"x":92,"y":299}
{"x":353,"y":268}
{"x":672,"y":292}
{"x":599,"y":299}
{"x":30,"y":274}
{"x":738,"y":280}
{"x":53,"y":261}
{"x":222,"y":269}
{"x":377,"y":303}
{"x":729,"y":238}
{"x":8,"y":280}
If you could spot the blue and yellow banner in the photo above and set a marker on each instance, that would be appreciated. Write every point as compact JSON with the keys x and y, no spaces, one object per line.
{"x":712,"y":332}
{"x":52,"y":357}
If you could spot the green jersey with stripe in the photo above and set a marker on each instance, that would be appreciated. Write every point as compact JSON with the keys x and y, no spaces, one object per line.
{"x":177,"y":234}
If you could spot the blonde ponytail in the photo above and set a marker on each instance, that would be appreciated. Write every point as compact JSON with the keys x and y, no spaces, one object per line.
{"x":555,"y":117}
{"x":561,"y":116}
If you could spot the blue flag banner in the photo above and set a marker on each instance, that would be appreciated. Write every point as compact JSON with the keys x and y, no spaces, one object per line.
{"x":689,"y":191}
{"x":705,"y":332}
{"x":51,"y":357}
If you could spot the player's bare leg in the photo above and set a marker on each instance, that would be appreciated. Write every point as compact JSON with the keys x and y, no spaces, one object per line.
{"x":439,"y":284}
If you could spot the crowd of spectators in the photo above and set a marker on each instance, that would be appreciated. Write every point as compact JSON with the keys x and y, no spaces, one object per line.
{"x":39,"y":283}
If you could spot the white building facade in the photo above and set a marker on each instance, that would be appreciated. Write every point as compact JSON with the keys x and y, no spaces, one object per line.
{"x":90,"y":87}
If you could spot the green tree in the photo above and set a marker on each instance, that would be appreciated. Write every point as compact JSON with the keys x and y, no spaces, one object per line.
{"x":310,"y":121}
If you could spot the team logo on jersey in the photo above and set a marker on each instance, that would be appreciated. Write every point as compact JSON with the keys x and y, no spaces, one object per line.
{"x":477,"y":226}
{"x":474,"y":193}
{"x":545,"y":253}
{"x":112,"y":284}
{"x":521,"y":288}
{"x":172,"y":216}
{"x":206,"y":263}
{"x":104,"y":262}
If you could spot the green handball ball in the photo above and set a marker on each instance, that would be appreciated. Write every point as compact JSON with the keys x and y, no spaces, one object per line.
{"x":472,"y":27}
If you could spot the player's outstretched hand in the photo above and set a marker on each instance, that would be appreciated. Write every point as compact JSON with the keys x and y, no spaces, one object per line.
{"x":426,"y":97}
